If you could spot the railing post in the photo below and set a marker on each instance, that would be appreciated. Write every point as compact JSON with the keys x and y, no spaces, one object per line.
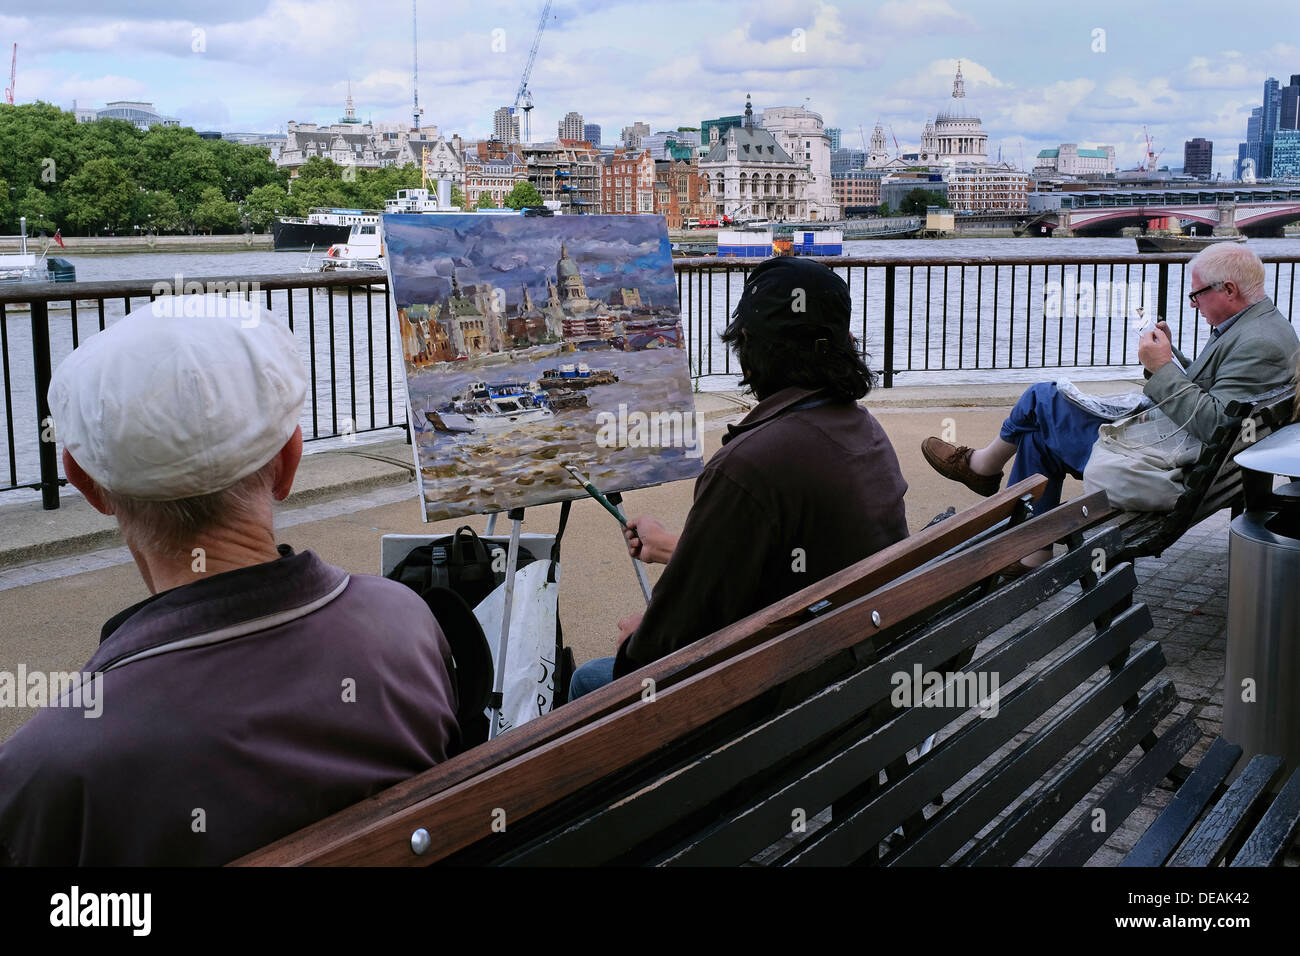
{"x":41,"y":363}
{"x":1162,"y":292}
{"x":889,"y":324}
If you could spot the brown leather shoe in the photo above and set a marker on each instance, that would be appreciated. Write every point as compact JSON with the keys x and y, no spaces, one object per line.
{"x":953,"y":462}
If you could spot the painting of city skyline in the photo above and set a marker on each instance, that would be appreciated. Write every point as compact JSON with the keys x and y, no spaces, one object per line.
{"x":535,"y":343}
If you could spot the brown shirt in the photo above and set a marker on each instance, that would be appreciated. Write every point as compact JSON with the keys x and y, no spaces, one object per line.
{"x":802,"y":487}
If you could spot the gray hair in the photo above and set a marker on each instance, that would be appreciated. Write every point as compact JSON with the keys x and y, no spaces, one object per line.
{"x":1232,"y":262}
{"x":171,"y":527}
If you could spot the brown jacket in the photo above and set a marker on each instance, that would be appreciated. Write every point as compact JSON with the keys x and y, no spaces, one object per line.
{"x":802,"y":487}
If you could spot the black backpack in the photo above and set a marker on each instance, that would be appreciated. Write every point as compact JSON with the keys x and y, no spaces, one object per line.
{"x":453,"y":575}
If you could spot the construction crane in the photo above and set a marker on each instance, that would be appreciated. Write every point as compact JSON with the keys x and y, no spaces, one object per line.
{"x":1149,"y":160}
{"x":524,"y":99}
{"x":13,"y":77}
{"x":415,"y":67}
{"x":863,"y":134}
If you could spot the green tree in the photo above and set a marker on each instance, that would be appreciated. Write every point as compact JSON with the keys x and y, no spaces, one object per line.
{"x":264,"y":204}
{"x":883,"y":211}
{"x":320,"y":191}
{"x":6,"y":206}
{"x":485,"y":201}
{"x":98,"y":197}
{"x":214,"y":212}
{"x":38,"y":207}
{"x":523,"y":195}
{"x":319,"y":167}
{"x":457,"y":196}
{"x":156,"y":212}
{"x":916,"y":201}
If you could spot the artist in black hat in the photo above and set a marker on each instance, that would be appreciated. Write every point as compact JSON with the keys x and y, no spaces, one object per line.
{"x":805,"y":485}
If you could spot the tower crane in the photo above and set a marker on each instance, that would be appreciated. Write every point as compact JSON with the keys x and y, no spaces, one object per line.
{"x":523,"y":98}
{"x":13,"y":77}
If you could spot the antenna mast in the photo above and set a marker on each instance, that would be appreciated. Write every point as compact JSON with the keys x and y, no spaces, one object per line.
{"x":415,"y":65}
{"x":13,"y":77}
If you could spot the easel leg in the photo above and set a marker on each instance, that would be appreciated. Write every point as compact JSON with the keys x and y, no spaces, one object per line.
{"x":616,"y":500}
{"x":516,"y":516}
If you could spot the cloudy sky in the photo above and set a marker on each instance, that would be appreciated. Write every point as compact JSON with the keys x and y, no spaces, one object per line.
{"x":1039,"y":73}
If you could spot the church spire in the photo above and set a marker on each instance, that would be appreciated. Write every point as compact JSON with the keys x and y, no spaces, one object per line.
{"x":958,"y":84}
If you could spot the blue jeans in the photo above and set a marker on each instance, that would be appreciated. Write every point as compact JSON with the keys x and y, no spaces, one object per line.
{"x":1053,"y":438}
{"x":591,"y":675}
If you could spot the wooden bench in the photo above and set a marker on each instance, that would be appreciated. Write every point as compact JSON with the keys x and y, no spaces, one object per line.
{"x":1213,"y":482}
{"x":776,"y":739}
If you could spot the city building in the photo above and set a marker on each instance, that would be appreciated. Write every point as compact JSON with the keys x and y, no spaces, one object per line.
{"x":714,"y":131}
{"x":988,"y":187}
{"x":1069,"y":160}
{"x":878,"y":155}
{"x":505,"y":125}
{"x":142,"y":115}
{"x":957,"y":134}
{"x":591,"y":133}
{"x":496,"y":177}
{"x":571,"y":127}
{"x":1286,"y":154}
{"x":1198,"y":158}
{"x":627,"y":182}
{"x":567,"y":172}
{"x":857,"y":190}
{"x":845,"y":160}
{"x":894,"y":187}
{"x":800,"y":133}
{"x":681,"y":192}
{"x":751,"y":176}
{"x":632,"y":135}
{"x":833,"y":134}
{"x":273,"y":143}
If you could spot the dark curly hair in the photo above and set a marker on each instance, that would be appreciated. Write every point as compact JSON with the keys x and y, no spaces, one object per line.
{"x":811,"y":358}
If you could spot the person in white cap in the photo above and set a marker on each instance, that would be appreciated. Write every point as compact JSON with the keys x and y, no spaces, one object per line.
{"x":257,"y":690}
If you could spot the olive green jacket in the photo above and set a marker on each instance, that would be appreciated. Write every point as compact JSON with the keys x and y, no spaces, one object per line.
{"x":1256,"y":355}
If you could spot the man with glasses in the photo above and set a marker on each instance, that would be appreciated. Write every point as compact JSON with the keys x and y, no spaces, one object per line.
{"x":1252,"y":349}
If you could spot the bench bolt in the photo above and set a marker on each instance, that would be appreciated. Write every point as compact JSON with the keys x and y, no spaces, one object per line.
{"x":875,"y":618}
{"x":420,"y":841}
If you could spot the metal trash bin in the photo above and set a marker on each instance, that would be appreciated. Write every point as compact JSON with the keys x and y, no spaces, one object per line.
{"x":1261,"y":687}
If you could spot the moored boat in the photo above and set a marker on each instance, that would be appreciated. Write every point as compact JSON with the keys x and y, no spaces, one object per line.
{"x":1181,"y":243}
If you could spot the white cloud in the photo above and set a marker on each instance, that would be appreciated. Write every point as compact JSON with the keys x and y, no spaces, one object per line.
{"x":924,"y":16}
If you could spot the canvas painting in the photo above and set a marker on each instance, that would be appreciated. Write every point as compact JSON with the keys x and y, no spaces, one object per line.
{"x":532,"y":343}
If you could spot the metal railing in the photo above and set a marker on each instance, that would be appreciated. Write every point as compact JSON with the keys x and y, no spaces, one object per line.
{"x":919,"y":318}
{"x":344,"y":325}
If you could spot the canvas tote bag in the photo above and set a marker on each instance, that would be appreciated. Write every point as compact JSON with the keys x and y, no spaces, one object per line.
{"x":1138,"y":461}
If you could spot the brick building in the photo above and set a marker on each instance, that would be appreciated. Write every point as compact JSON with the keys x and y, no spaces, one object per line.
{"x":496,"y":177}
{"x":856,"y":190}
{"x":627,"y":182}
{"x":681,"y":192}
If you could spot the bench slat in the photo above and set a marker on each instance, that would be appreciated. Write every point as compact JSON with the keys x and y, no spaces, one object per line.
{"x":1230,"y":816}
{"x":844,"y":841}
{"x":1077,"y":845}
{"x":1268,"y":844}
{"x":1016,"y":835}
{"x":962,"y":818}
{"x":1169,"y":828}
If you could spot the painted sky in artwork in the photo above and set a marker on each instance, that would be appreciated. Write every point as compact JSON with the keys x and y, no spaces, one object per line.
{"x":612,"y":252}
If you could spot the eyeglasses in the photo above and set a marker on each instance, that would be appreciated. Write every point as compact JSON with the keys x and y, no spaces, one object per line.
{"x":1191,"y":296}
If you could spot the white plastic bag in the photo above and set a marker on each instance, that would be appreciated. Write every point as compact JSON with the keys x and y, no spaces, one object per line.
{"x":1139,"y":461}
{"x":529,"y":688}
